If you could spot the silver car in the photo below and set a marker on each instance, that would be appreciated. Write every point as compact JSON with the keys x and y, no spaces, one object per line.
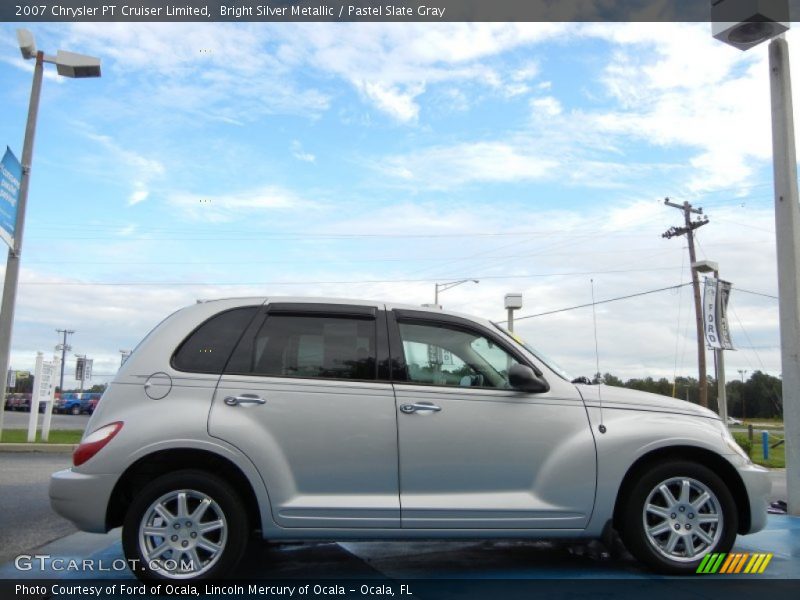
{"x":308,"y":419}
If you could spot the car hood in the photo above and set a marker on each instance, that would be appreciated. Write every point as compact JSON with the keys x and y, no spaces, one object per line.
{"x":618,"y":397}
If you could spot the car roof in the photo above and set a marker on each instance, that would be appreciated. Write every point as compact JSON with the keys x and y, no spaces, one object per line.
{"x":354,"y":301}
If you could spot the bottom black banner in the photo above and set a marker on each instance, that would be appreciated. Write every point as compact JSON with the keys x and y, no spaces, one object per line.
{"x":687,"y":588}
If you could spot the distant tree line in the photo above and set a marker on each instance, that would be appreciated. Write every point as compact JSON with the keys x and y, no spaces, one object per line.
{"x":758,"y":397}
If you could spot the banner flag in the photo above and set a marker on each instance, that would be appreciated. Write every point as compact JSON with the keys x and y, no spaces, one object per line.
{"x":723,"y":295}
{"x":715,"y":314}
{"x":10,"y":178}
{"x":710,"y":313}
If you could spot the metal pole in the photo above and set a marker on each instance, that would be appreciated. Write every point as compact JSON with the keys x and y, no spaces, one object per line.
{"x":511,"y":320}
{"x":436,"y":295}
{"x":787,"y":234}
{"x":722,"y":395}
{"x":12,"y":264}
{"x":63,"y":356}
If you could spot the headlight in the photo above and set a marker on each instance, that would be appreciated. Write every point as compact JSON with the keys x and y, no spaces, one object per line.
{"x":733,"y":445}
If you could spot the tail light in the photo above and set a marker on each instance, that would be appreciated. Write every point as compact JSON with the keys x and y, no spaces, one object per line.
{"x":94,"y":442}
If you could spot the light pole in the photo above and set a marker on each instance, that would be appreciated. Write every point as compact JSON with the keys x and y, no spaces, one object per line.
{"x":709,"y":266}
{"x":443,"y":287}
{"x":67,"y":64}
{"x":512,"y":302}
{"x":745,"y":31}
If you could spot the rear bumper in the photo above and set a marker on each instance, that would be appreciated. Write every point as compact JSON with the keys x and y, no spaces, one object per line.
{"x":81,"y":498}
{"x":758,"y":486}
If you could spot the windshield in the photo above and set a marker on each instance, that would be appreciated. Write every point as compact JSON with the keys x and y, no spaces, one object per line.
{"x":552,"y":365}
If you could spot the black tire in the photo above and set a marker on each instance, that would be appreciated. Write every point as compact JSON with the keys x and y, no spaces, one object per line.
{"x":680,"y":560}
{"x":76,"y":410}
{"x":198,"y":484}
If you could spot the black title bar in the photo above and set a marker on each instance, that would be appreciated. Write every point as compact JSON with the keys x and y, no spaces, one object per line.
{"x":370,"y":10}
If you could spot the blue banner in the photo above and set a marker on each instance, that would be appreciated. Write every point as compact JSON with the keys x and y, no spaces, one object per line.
{"x":10,"y":177}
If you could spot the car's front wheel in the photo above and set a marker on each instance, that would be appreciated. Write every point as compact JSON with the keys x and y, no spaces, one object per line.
{"x":675,"y":514}
{"x":185,"y":525}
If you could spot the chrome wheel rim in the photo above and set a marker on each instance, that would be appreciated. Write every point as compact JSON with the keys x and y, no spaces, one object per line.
{"x":682,"y":519}
{"x":182,"y":534}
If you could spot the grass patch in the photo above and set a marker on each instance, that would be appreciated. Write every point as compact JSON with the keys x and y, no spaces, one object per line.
{"x":57,"y":436}
{"x":777,"y":456}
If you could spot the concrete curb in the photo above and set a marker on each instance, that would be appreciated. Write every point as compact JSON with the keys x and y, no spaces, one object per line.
{"x":37,"y":447}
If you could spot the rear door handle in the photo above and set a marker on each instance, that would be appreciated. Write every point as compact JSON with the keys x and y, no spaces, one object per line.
{"x":410,"y":409}
{"x":244,"y":399}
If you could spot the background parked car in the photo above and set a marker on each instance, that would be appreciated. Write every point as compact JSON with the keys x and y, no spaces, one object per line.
{"x":18,"y":402}
{"x":89,"y":402}
{"x":76,"y":403}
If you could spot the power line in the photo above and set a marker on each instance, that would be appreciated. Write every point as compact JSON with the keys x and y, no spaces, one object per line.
{"x":420,"y":280}
{"x":756,"y":293}
{"x":606,"y":301}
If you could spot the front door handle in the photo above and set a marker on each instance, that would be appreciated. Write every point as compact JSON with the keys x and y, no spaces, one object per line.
{"x":410,"y":409}
{"x":244,"y":399}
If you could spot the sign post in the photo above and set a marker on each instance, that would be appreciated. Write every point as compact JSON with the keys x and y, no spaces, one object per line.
{"x":48,"y":411}
{"x":42,"y":392}
{"x":34,"y":416}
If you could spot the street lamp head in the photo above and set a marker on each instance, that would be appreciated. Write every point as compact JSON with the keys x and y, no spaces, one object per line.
{"x":78,"y":66}
{"x":705,"y":266}
{"x":27,"y":45}
{"x":513,"y":301}
{"x":746,"y":23}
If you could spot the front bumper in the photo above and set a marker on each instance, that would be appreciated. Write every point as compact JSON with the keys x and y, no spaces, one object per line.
{"x":82,"y":498}
{"x":758,"y":486}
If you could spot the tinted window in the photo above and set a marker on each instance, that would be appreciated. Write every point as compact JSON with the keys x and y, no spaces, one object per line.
{"x":309,"y":346}
{"x":207,"y":349}
{"x":441,"y":355}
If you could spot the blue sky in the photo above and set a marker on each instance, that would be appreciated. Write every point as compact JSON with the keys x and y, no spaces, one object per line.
{"x":235,"y":159}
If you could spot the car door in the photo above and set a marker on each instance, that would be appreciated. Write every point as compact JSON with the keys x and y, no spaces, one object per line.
{"x":306,"y":396}
{"x":475,"y":453}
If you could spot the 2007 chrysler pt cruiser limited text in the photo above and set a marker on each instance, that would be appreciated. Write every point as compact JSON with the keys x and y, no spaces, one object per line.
{"x":331,"y":419}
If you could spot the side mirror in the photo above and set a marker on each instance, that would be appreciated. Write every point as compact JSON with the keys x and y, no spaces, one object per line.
{"x":522,"y":378}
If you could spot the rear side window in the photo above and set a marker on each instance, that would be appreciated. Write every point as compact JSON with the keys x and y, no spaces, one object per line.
{"x":207,"y":349}
{"x":309,"y":346}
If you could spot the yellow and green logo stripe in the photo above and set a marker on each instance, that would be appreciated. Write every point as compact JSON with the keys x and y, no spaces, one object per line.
{"x":736,"y":562}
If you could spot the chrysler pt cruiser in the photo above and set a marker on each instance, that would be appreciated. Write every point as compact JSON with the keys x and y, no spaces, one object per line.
{"x":309,"y":419}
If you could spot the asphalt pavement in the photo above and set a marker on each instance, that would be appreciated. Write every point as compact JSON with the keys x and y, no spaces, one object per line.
{"x":26,"y":519}
{"x":19,"y":420}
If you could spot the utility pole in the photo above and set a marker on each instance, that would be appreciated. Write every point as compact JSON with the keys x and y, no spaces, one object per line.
{"x":688,"y":230}
{"x":743,"y":372}
{"x":64,"y":348}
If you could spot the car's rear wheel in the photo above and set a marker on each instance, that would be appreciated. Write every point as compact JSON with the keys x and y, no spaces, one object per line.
{"x":676,"y":514}
{"x":76,"y":410}
{"x":185,"y":525}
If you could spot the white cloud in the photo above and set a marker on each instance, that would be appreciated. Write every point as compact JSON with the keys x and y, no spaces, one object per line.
{"x":678,"y":87}
{"x":300,"y":154}
{"x":448,"y":166}
{"x":547,"y":105}
{"x":140,"y":170}
{"x":236,"y":206}
{"x":392,"y":64}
